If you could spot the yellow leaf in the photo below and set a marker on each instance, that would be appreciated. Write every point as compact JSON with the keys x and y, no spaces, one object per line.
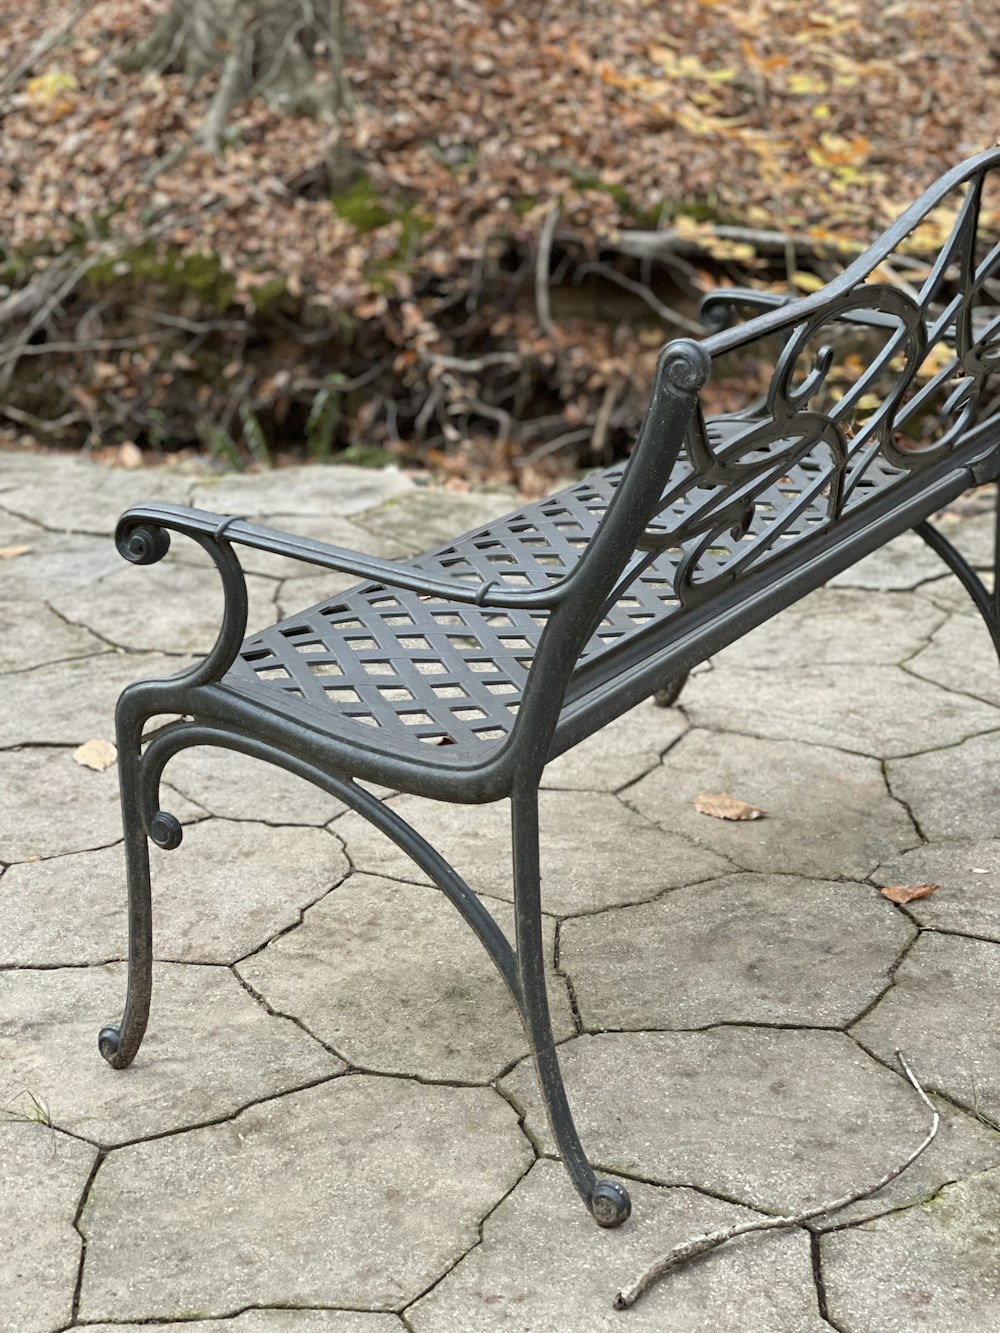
{"x":45,"y":88}
{"x":96,"y":754}
{"x":807,"y":282}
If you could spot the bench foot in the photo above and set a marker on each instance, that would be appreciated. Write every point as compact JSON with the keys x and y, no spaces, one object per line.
{"x":610,"y":1204}
{"x":670,"y":693}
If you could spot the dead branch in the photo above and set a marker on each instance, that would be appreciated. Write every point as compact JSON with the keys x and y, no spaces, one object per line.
{"x":711,"y":1240}
{"x":665,"y":312}
{"x":543,"y":302}
{"x":662,"y":244}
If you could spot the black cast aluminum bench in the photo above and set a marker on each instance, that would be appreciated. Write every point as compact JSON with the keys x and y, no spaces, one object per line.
{"x":459,"y":674}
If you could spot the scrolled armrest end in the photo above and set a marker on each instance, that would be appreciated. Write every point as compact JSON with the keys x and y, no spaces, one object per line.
{"x":141,"y":542}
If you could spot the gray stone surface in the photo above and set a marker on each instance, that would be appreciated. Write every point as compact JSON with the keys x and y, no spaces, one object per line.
{"x":35,"y":636}
{"x":961,"y":657}
{"x":171,"y":607}
{"x":72,"y":702}
{"x":42,"y":1175}
{"x":210,"y":1050}
{"x":234,"y":786}
{"x":50,"y":805}
{"x":338,"y":489}
{"x":274,"y":1321}
{"x":594,"y":852}
{"x":390,"y":976}
{"x":874,"y":710}
{"x":511,"y":1282}
{"x":950,"y":595}
{"x":829,"y":814}
{"x":968,"y":900}
{"x":953,"y":792}
{"x":421,"y":519}
{"x":56,"y":564}
{"x":944,"y":1012}
{"x":901,"y":564}
{"x":70,"y":494}
{"x":228,"y":889}
{"x":931,"y":1268}
{"x":358,"y":1193}
{"x":300,"y":594}
{"x":742,"y":949}
{"x":837,"y":626}
{"x":620,"y":753}
{"x":776,"y":1119}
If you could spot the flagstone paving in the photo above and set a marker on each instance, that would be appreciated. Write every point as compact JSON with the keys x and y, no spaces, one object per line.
{"x":332,"y":1126}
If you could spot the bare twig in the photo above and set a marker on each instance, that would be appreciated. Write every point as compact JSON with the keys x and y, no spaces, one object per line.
{"x":543,"y":302}
{"x":667,"y":313}
{"x":603,"y":418}
{"x":687,"y":1249}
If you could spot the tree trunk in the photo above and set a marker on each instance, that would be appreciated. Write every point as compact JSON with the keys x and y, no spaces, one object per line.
{"x":289,"y":51}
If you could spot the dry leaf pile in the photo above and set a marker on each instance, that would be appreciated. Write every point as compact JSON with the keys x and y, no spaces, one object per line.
{"x":472,"y":122}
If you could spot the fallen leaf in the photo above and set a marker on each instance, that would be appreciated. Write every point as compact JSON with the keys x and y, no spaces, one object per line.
{"x":720,"y":805}
{"x":96,"y":754}
{"x":129,"y":454}
{"x":12,"y":552}
{"x":909,"y":893}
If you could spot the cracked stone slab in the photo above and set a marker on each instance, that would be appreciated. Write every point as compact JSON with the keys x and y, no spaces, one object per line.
{"x":210,"y":1050}
{"x":930,"y":1269}
{"x":619,"y":753}
{"x":944,"y":1012}
{"x":50,"y":805}
{"x":897,"y":566}
{"x":235,"y":786}
{"x":228,"y":889}
{"x":594,"y":852}
{"x":874,"y":710}
{"x":774,"y":1118}
{"x":75,"y":495}
{"x":331,"y":529}
{"x":42,"y":1175}
{"x":162,"y":608}
{"x":961,"y":657}
{"x":954,"y":792}
{"x":829,"y":813}
{"x":360,"y":1192}
{"x":68,"y":703}
{"x":57,"y":563}
{"x":836,"y":626}
{"x":543,"y":1264}
{"x":391,"y":976}
{"x":950,"y":595}
{"x":34,"y":636}
{"x":968,"y":900}
{"x":742,"y":949}
{"x":274,"y":1321}
{"x":337,"y":489}
{"x":427,"y":517}
{"x":295,"y":595}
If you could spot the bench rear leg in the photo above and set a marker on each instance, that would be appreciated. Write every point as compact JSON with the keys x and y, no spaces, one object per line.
{"x":987,"y":600}
{"x":119,"y":1044}
{"x":668,"y":694}
{"x":608,"y":1202}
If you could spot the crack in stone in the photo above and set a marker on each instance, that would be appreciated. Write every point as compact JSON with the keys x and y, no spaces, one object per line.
{"x":291,"y":1018}
{"x":84,"y":1196}
{"x":890,"y":983}
{"x":907,"y":808}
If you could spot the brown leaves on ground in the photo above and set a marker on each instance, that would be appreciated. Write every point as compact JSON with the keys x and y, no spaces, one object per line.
{"x":96,"y":754}
{"x":720,"y":805}
{"x":908,"y":893}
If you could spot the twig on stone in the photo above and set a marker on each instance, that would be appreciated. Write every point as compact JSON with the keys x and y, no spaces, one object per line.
{"x":711,"y":1240}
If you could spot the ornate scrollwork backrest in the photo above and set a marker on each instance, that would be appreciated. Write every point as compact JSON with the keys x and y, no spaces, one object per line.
{"x":821,"y":441}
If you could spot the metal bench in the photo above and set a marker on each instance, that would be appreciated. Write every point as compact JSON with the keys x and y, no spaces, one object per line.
{"x":459,"y":674}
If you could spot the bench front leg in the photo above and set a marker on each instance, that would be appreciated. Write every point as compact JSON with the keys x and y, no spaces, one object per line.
{"x":608,"y":1201}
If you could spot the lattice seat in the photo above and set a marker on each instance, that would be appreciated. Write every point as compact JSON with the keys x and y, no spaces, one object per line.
{"x":400,"y":671}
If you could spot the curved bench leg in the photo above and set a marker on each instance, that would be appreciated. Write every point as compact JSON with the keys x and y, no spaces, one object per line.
{"x":669,"y":694}
{"x":608,"y":1202}
{"x":987,"y":601}
{"x":119,"y":1044}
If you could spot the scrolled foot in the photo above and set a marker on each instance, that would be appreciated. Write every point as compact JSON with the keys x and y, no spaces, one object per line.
{"x":165,"y":830}
{"x":109,"y":1043}
{"x":610,"y":1204}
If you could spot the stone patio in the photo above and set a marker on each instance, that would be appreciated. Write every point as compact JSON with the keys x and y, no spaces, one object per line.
{"x":333,"y":1126}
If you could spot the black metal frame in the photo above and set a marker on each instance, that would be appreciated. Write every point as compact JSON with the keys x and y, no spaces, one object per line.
{"x":509,"y":646}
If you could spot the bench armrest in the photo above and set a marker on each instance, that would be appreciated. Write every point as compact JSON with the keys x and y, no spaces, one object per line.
{"x":142,"y":537}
